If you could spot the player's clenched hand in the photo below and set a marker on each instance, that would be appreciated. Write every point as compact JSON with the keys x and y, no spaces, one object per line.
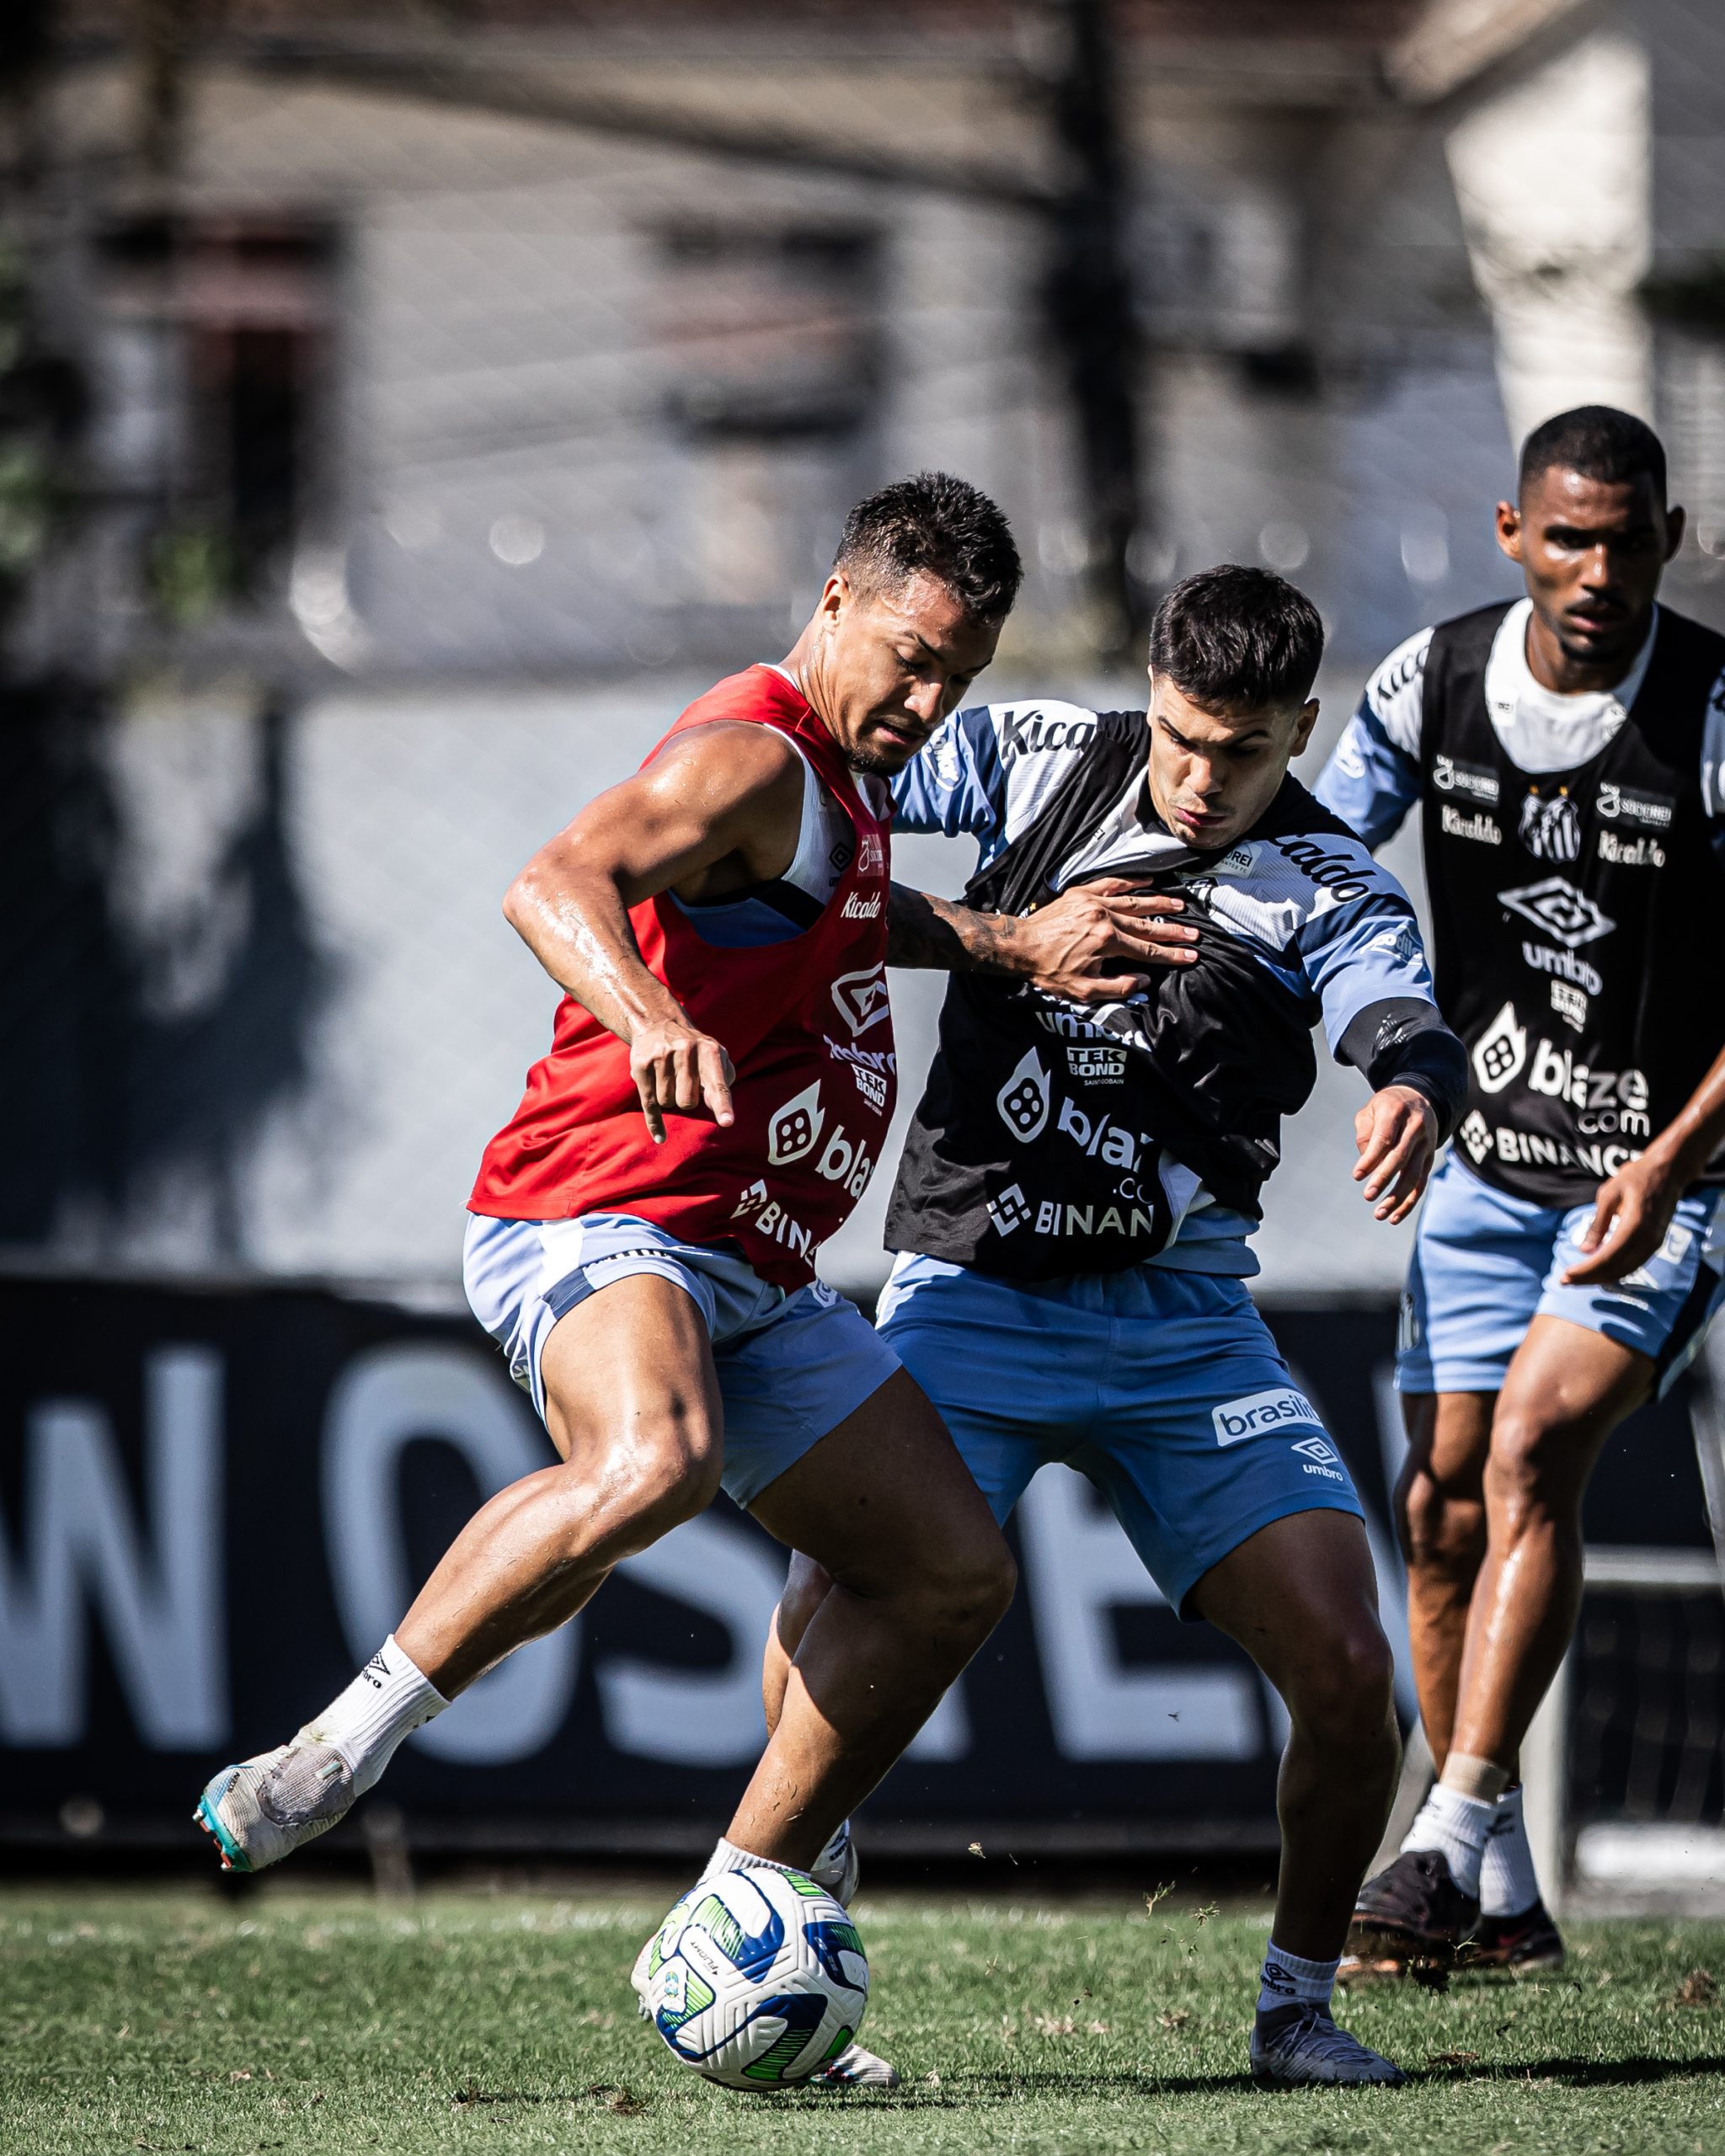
{"x":678,"y":1071}
{"x":1397,"y":1133}
{"x":1631,"y":1211}
{"x":1092,"y":943}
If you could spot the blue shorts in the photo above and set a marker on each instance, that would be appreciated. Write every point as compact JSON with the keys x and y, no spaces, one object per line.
{"x":1164,"y":1388}
{"x":791,"y":1367}
{"x":1486,"y":1264}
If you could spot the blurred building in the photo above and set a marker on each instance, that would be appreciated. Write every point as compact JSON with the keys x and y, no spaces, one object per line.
{"x":445,"y":398}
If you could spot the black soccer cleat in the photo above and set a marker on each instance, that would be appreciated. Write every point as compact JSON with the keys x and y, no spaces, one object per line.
{"x":1521,"y":1944}
{"x":1410,"y":1921}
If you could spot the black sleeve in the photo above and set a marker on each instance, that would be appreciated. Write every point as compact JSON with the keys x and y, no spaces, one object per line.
{"x":1403,"y":1041}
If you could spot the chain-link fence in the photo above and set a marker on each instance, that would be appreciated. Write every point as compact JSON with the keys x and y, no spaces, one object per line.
{"x":403,"y":417}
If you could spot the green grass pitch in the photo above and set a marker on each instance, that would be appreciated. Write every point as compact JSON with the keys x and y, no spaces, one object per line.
{"x":174,"y":2019}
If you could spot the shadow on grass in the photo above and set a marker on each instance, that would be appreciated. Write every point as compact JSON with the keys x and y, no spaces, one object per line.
{"x":1589,"y":2072}
{"x":976,"y":2091}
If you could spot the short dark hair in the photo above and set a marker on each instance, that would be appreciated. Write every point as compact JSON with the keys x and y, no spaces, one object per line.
{"x":1233,"y":639}
{"x":1599,"y":442}
{"x":940,"y":524}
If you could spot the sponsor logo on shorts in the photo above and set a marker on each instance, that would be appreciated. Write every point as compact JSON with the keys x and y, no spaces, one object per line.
{"x":1622,"y":804}
{"x":1500,"y":1051}
{"x":1479,"y":826}
{"x":1567,"y":915}
{"x":1479,"y":781}
{"x":1256,"y":1414}
{"x":1321,"y":1458}
{"x":861,"y":998}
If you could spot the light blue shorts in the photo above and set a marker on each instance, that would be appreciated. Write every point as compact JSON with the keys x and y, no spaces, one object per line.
{"x":1486,"y":1264}
{"x":791,"y":1367}
{"x":1164,"y":1388}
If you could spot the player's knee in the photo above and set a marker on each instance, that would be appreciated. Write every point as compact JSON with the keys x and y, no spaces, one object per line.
{"x":1529,"y":1476}
{"x":1342,"y":1697}
{"x":657,"y":1477}
{"x":969,"y":1590}
{"x":807,"y":1585}
{"x":1440,"y":1530}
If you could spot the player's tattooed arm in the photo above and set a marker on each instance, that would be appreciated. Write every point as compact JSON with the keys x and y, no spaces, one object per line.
{"x":717,"y":808}
{"x":1090,"y":945}
{"x":1633,"y":1208}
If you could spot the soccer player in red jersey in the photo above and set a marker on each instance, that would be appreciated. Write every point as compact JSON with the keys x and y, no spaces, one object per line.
{"x":644,"y":1229}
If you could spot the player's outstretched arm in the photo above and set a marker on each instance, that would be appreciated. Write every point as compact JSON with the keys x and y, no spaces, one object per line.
{"x":1396,"y":1133}
{"x":719,"y":805}
{"x":1090,"y":945}
{"x":1633,"y":1208}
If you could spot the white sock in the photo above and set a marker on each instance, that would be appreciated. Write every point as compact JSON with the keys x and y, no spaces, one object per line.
{"x":727,"y":1857}
{"x":1285,"y":1978}
{"x":388,"y":1701}
{"x":1508,"y":1884}
{"x":1457,"y":1826}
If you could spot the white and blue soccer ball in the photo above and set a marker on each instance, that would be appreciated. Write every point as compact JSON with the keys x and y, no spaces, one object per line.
{"x":756,"y":1979}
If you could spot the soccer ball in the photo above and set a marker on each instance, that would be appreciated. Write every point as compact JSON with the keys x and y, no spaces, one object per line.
{"x":756,"y":1979}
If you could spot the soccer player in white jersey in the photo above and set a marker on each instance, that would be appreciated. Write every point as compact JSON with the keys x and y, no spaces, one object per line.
{"x":1079,"y":1188}
{"x":1565,"y":751}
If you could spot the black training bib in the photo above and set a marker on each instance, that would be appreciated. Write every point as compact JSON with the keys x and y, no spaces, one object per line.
{"x":1574,"y":916}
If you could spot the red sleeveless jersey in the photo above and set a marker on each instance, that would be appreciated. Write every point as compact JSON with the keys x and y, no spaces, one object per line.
{"x":808,"y":1029}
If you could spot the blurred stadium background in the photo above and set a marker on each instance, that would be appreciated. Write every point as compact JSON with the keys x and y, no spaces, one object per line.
{"x":404,"y":410}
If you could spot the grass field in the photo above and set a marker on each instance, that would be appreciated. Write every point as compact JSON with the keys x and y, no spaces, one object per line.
{"x":173,"y":2020}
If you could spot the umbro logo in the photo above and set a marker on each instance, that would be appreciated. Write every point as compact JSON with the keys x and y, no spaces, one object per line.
{"x":1567,"y":915}
{"x":861,"y":998}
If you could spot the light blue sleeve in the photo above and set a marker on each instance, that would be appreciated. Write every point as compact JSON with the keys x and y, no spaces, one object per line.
{"x":1364,"y":951}
{"x":1368,"y":782}
{"x":1372,"y":778}
{"x":958,"y":784}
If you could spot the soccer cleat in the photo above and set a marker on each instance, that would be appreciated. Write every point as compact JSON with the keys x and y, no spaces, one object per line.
{"x":838,"y":1867}
{"x":854,"y":2068}
{"x":1299,"y":2047}
{"x":265,"y":1808}
{"x":1520,"y":1943}
{"x":1409,"y":1921}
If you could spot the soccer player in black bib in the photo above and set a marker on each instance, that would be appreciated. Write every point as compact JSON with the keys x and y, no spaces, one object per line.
{"x":1080,"y":1185}
{"x":1566,"y":751}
